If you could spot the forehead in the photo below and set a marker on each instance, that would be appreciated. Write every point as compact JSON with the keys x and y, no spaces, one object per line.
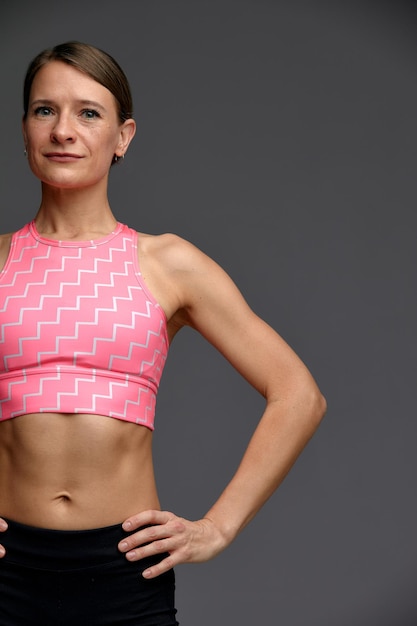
{"x":59,"y":81}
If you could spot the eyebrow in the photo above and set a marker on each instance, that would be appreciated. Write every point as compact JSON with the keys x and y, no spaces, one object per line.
{"x":86,"y":103}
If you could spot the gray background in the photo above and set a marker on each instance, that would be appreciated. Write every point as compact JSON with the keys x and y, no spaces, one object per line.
{"x":280,"y":138}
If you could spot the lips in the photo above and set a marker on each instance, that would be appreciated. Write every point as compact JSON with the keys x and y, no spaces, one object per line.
{"x":63,"y":156}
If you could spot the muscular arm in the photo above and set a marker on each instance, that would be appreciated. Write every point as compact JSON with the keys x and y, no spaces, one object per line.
{"x":294,"y":405}
{"x":212,"y":304}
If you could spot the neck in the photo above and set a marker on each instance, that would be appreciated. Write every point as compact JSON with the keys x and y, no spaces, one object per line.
{"x":74,"y":213}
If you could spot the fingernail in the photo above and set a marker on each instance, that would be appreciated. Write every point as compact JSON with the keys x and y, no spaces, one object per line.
{"x":127,"y":525}
{"x":146,"y":573}
{"x":130,"y":555}
{"x":2,"y":551}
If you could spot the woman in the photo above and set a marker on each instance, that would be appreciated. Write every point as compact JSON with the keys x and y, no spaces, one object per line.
{"x":88,"y":309}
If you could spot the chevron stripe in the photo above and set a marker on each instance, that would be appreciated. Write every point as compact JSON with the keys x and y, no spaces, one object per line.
{"x":17,"y":275}
{"x":7,"y":399}
{"x":84,"y":306}
{"x":39,"y":394}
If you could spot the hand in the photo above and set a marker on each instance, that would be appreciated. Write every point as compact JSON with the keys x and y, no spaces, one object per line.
{"x":3,"y":527}
{"x":185,"y":541}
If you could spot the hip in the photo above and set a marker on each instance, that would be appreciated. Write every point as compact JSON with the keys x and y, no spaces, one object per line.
{"x":76,"y":578}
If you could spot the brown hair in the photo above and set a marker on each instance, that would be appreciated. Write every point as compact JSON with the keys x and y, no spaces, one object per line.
{"x":92,"y":61}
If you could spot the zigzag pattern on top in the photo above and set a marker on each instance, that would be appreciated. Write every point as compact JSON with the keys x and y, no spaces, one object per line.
{"x":79,"y":330}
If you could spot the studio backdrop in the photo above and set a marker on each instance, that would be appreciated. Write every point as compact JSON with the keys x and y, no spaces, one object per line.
{"x":279,"y":137}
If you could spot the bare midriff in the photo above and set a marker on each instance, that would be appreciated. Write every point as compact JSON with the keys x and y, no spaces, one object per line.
{"x":74,"y":471}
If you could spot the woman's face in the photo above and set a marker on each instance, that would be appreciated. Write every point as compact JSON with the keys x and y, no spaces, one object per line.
{"x":72,"y":129}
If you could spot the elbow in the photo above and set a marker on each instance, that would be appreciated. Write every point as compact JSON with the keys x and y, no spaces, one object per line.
{"x":303,"y":402}
{"x":321,"y":406}
{"x":317,"y":406}
{"x":308,"y":402}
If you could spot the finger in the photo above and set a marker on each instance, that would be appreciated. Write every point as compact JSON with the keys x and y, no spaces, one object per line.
{"x":159,"y":568}
{"x":145,"y":518}
{"x":3,"y":527}
{"x":151,"y":549}
{"x":150,"y":540}
{"x":140,"y":538}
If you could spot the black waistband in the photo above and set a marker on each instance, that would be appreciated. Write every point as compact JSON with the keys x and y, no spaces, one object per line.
{"x":61,"y":549}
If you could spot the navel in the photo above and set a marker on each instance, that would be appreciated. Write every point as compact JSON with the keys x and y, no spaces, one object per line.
{"x":63,"y":497}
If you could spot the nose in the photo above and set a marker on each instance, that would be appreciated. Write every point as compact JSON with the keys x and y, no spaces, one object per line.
{"x":63,"y":130}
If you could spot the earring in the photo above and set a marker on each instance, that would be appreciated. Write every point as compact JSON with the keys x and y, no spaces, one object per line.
{"x":25,"y":152}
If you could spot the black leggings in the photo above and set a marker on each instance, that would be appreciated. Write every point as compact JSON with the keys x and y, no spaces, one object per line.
{"x":79,"y":578}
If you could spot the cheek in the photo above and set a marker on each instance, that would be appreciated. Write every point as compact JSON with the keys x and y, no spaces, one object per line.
{"x":102,"y":141}
{"x":36,"y":135}
{"x":105,"y":150}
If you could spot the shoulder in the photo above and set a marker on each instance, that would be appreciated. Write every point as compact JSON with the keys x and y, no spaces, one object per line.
{"x":167,"y":263}
{"x":151,"y":244}
{"x":5,"y":241}
{"x":183,"y":277}
{"x":199,"y":277}
{"x":172,"y":249}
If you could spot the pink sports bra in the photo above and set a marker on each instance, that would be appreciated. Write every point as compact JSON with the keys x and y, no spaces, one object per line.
{"x":79,"y":330}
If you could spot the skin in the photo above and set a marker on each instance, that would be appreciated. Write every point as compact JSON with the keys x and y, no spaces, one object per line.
{"x":79,"y":471}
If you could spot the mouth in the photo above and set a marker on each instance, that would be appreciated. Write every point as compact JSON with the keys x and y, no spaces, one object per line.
{"x":63,"y":156}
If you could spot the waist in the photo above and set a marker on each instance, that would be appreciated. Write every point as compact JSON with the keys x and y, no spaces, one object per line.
{"x":66,"y":471}
{"x":67,"y":549}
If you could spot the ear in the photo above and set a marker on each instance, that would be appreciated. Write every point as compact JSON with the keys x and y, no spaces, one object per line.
{"x":127,"y":132}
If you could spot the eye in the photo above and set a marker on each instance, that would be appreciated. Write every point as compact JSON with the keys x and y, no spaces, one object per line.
{"x":90,"y":114}
{"x":43,"y":111}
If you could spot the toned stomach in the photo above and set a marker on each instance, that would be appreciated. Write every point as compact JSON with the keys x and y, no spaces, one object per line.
{"x":66,"y":471}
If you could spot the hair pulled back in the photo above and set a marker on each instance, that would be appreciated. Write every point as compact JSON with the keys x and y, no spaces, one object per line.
{"x":90,"y":60}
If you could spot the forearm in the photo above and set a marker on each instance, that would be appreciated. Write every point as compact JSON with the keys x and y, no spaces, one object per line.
{"x":281,"y":435}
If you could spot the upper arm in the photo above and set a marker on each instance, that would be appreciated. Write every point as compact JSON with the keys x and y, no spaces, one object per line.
{"x":214,"y":306}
